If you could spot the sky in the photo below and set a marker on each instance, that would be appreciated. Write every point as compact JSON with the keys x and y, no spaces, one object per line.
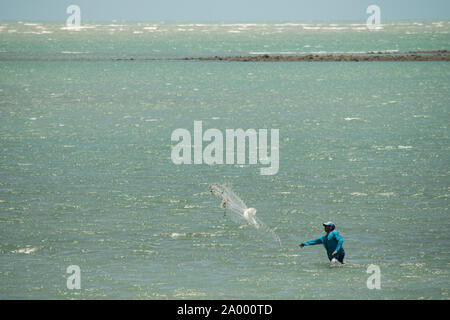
{"x":223,"y":10}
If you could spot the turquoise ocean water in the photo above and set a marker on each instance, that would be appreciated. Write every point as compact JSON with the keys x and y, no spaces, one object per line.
{"x":86,"y":176}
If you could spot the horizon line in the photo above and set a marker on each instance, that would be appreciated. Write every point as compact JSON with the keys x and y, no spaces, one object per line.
{"x":226,"y":21}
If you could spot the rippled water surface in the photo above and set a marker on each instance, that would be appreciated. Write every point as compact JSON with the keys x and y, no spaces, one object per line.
{"x":86,"y":176}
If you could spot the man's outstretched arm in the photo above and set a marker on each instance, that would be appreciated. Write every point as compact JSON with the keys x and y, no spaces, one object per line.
{"x":311,"y":242}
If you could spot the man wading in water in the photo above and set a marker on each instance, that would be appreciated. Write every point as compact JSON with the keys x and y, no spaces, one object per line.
{"x":332,"y":242}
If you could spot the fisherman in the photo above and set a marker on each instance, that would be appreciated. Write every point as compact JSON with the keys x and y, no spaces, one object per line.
{"x":332,"y":242}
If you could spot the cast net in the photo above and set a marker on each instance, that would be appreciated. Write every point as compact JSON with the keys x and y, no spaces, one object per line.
{"x":237,"y":210}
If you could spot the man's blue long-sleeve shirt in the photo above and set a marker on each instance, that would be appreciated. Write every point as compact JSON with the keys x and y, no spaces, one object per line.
{"x":331,"y":243}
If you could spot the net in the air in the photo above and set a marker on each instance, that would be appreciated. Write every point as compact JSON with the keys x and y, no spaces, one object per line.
{"x":237,"y":210}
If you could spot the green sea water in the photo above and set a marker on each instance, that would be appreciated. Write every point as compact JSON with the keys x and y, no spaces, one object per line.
{"x":87,"y":179}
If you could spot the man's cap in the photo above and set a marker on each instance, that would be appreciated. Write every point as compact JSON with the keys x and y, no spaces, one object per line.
{"x":329,"y":223}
